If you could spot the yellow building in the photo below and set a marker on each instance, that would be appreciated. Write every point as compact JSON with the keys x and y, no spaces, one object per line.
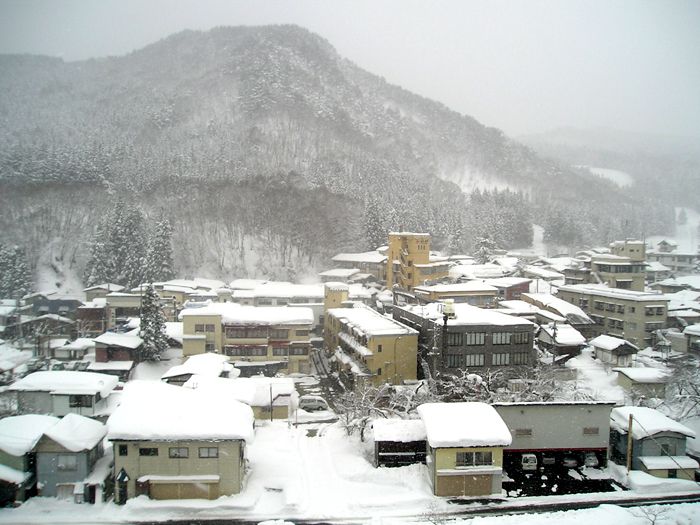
{"x":409,"y":262}
{"x":371,"y":347}
{"x":250,"y":333}
{"x":172,"y":442}
{"x":465,"y":448}
{"x":476,"y":293}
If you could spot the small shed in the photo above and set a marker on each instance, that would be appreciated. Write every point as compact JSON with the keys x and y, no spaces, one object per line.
{"x":658,"y":442}
{"x":561,"y":339}
{"x":398,"y":442}
{"x":642,"y":381}
{"x":613,"y":350}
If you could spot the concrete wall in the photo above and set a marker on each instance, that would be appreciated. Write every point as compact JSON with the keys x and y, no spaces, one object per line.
{"x":557,"y":426}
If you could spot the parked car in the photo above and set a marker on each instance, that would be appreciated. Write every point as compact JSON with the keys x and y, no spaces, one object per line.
{"x":590,"y":459}
{"x":312,"y":403}
{"x":528,"y":462}
{"x":569,"y":461}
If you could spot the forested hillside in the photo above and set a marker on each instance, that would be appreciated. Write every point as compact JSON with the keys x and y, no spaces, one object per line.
{"x":269,"y":152}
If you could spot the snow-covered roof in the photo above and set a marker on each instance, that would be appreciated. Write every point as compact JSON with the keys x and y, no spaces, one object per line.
{"x":466,"y":315}
{"x":237,"y":314}
{"x":12,"y":475}
{"x":668,"y":462}
{"x":82,"y":343}
{"x":77,"y":433}
{"x":123,"y":340}
{"x":518,"y":305}
{"x":478,"y":271}
{"x":646,"y":422}
{"x":111,"y":365}
{"x":246,"y":284}
{"x":643,"y":374}
{"x":48,"y":317}
{"x":693,"y":329}
{"x":566,"y":334}
{"x":108,"y":287}
{"x":608,"y":342}
{"x":571,"y":312}
{"x":373,"y":257}
{"x":468,"y":424}
{"x":67,"y":381}
{"x":399,"y":430}
{"x":604,"y":291}
{"x":688,"y":281}
{"x":253,"y":391}
{"x":542,"y":272}
{"x":154,"y":410}
{"x":366,"y":321}
{"x":98,"y":302}
{"x":469,"y":286}
{"x":209,"y":364}
{"x":507,"y":282}
{"x":340,"y":273}
{"x":19,"y":434}
{"x":656,"y":266}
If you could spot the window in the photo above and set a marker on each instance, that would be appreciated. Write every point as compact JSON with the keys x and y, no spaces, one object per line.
{"x":521,"y":358}
{"x":123,"y":450}
{"x":78,"y":401}
{"x":150,"y":451}
{"x":178,"y":452}
{"x":454,"y":339}
{"x":209,"y":328}
{"x":278,"y":333}
{"x":67,"y":462}
{"x":264,"y":302}
{"x":233,"y":351}
{"x":520,"y":338}
{"x":454,"y":361}
{"x":280,"y":350}
{"x":256,"y":332}
{"x":631,"y":309}
{"x":208,"y":452}
{"x":500,"y":359}
{"x":620,"y":308}
{"x":474,"y":338}
{"x":379,"y":348}
{"x":299,"y":350}
{"x":473,"y":459}
{"x":198,"y":328}
{"x":522,"y":432}
{"x":668,"y":449}
{"x":474,"y":360}
{"x":598,"y":305}
{"x":301,"y":332}
{"x":379,"y":371}
{"x":590,"y":431}
{"x":209,"y":347}
{"x":502,"y":338}
{"x":235,"y":332}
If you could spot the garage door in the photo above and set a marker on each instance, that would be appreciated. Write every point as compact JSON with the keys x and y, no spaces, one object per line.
{"x":469,"y":485}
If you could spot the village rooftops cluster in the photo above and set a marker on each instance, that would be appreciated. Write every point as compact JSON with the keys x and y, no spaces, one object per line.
{"x":465,"y":314}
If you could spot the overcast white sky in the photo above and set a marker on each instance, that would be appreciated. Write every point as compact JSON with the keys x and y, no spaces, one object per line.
{"x":521,"y":65}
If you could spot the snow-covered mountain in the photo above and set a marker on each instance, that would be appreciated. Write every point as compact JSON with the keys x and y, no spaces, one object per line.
{"x":239,"y":131}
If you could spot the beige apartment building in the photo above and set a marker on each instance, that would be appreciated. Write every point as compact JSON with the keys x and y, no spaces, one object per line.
{"x":409,"y":263}
{"x":250,"y":333}
{"x":627,"y":314}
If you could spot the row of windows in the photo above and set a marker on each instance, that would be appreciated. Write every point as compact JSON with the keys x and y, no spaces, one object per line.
{"x":497,"y":359}
{"x":173,"y":452}
{"x":292,"y":350}
{"x":474,"y":459}
{"x":80,"y":401}
{"x":203,"y":328}
{"x":260,"y":332}
{"x":479,"y":338}
{"x":245,"y":351}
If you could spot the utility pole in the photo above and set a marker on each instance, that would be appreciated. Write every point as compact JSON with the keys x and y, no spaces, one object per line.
{"x":629,"y":444}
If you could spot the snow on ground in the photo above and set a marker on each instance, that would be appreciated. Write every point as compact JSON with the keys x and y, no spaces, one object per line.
{"x":154,"y":371}
{"x":593,"y":377}
{"x":53,"y":275}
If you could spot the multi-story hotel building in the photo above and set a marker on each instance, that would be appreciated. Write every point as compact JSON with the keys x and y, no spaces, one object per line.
{"x":409,"y":262}
{"x":628,"y":314}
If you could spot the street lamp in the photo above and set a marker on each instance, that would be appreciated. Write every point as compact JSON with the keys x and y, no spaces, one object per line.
{"x":395,"y":342}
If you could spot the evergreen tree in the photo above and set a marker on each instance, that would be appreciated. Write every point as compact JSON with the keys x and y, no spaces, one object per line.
{"x":483,"y":250}
{"x":155,"y":341}
{"x":15,"y":276}
{"x":159,"y":257}
{"x":375,"y":233}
